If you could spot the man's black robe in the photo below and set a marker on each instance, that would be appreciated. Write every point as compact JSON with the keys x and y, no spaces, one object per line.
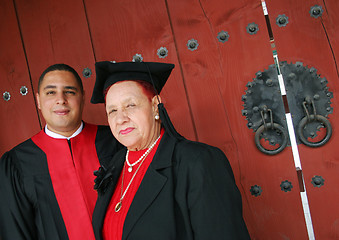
{"x":40,"y":183}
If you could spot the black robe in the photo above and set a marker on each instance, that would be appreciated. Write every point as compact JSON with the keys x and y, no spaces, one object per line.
{"x":29,"y":206}
{"x":187,"y":193}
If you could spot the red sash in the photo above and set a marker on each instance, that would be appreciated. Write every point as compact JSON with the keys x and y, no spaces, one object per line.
{"x":72,"y":178}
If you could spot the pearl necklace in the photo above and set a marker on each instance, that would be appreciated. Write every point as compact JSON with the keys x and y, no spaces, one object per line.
{"x":139,"y":160}
{"x":143,"y":157}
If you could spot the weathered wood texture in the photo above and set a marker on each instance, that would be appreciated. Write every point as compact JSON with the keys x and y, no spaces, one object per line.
{"x":203,"y":95}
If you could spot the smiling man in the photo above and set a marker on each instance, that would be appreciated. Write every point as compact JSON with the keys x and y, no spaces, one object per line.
{"x":61,"y":101}
{"x":46,"y":182}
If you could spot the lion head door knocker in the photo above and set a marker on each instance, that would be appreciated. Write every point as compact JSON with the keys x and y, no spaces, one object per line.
{"x":309,"y":102}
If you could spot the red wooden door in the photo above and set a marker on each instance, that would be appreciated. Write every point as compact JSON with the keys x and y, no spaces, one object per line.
{"x":126,"y":30}
{"x":57,"y":32}
{"x":18,"y":119}
{"x":204,"y":94}
{"x":314,"y":41}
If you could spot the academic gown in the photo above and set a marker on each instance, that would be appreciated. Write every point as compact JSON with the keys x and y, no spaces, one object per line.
{"x":46,"y":190}
{"x":187,"y":193}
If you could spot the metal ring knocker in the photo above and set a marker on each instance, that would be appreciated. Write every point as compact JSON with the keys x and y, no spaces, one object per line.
{"x":272,"y":126}
{"x":313,"y":118}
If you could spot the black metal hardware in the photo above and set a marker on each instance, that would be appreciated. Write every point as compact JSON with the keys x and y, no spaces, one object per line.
{"x":87,"y":72}
{"x":252,"y":28}
{"x":316,"y":11}
{"x":6,"y":96}
{"x":162,"y":52}
{"x":318,"y":181}
{"x":277,"y":134}
{"x":286,"y":186}
{"x":279,"y":131}
{"x":192,"y":44}
{"x":309,"y":118}
{"x":23,"y":90}
{"x":282,"y":20}
{"x":301,"y":83}
{"x":137,"y":58}
{"x":256,"y":190}
{"x":223,"y":36}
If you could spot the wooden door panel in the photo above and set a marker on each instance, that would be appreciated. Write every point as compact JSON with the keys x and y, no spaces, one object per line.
{"x":141,"y":27}
{"x":200,"y":69}
{"x":309,"y":40}
{"x":241,"y":57}
{"x":207,"y":85}
{"x":18,"y":119}
{"x":204,"y":93}
{"x":122,"y":41}
{"x":202,"y":73}
{"x":57,"y":32}
{"x":330,"y":20}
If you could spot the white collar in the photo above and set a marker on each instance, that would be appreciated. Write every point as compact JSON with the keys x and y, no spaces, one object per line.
{"x":59,"y":136}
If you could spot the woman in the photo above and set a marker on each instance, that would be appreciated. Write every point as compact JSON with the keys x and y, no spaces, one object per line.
{"x":161,"y":186}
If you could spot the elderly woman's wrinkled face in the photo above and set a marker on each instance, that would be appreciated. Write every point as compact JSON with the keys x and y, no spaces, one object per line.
{"x":131,"y":115}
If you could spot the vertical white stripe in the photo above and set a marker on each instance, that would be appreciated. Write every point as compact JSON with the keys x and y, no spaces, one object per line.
{"x":294,"y":145}
{"x":264,"y":8}
{"x":297,"y":163}
{"x":307,"y":215}
{"x":280,"y":77}
{"x":281,"y":84}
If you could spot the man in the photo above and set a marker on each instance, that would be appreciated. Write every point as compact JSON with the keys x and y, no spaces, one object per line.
{"x":46,"y":182}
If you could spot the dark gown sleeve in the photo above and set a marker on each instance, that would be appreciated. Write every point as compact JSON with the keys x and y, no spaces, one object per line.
{"x":16,"y":212}
{"x":206,"y":183}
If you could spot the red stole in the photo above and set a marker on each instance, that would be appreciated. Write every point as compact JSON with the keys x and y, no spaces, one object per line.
{"x":72,"y":178}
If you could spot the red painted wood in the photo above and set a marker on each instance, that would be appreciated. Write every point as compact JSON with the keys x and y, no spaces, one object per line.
{"x":240,"y":58}
{"x":122,"y":29}
{"x":202,"y":73}
{"x":203,"y":95}
{"x":57,"y":32}
{"x":304,"y":39}
{"x":18,"y":118}
{"x":330,"y":21}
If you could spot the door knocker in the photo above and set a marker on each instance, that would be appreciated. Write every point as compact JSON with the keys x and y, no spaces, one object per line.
{"x":309,"y":119}
{"x":274,"y":129}
{"x":309,"y":102}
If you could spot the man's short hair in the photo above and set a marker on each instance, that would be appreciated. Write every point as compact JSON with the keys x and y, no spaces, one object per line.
{"x":61,"y":67}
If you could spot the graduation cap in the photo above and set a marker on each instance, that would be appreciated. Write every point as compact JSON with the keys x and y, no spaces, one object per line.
{"x":155,"y":73}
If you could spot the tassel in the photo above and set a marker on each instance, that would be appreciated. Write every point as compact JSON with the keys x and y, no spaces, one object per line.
{"x":166,"y":122}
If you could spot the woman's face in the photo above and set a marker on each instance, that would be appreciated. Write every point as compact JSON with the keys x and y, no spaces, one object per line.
{"x":131,"y":115}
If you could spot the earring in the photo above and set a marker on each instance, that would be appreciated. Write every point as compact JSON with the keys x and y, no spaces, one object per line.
{"x":156,"y":117}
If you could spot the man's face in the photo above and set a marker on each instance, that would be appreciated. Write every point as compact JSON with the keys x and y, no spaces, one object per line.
{"x":61,"y":102}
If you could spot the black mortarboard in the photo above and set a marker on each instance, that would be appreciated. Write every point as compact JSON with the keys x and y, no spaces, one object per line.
{"x":108,"y":73}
